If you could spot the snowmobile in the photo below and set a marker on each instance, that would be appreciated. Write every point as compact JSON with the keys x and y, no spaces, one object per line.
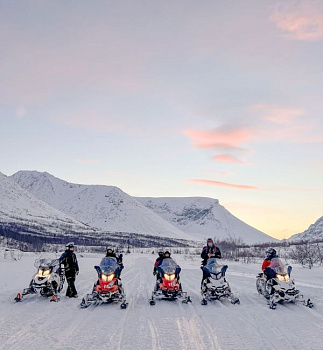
{"x":167,"y":284}
{"x":215,"y":285}
{"x":108,"y":288}
{"x":277,"y":286}
{"x":48,"y":280}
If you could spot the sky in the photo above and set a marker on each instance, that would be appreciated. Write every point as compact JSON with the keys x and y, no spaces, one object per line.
{"x":220,"y":99}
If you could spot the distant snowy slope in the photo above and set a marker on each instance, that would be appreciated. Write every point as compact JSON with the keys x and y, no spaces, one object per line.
{"x":103,"y":207}
{"x":203,"y":217}
{"x":314,"y":232}
{"x":21,"y":207}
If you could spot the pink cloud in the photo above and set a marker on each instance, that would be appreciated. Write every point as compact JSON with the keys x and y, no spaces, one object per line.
{"x":303,"y":22}
{"x":227,"y":158}
{"x":279,"y":115}
{"x":286,"y":124}
{"x":222,"y":184}
{"x":221,"y":138}
{"x":220,"y":146}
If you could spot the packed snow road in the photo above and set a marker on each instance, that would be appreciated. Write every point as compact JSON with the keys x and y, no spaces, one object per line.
{"x":37,"y":323}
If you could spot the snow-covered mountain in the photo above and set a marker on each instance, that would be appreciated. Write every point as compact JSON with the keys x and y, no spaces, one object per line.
{"x":103,"y":207}
{"x":203,"y":217}
{"x":109,"y":208}
{"x":20,"y":207}
{"x":314,"y":232}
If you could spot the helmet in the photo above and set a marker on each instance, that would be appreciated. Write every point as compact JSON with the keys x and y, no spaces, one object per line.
{"x":161,"y":254}
{"x":110,"y":251}
{"x":70,"y":245}
{"x":271,"y":253}
{"x":167,"y":252}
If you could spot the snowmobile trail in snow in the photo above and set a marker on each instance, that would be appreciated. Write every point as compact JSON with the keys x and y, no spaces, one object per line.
{"x":36,"y":322}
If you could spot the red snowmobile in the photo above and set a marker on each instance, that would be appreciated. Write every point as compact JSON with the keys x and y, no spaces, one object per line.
{"x":167,"y":284}
{"x":109,"y":288}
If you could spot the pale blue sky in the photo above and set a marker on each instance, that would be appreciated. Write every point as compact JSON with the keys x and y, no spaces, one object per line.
{"x":150,"y":95}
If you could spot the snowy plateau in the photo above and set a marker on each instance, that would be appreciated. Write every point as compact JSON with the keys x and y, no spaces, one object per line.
{"x":39,"y":324}
{"x":109,"y":208}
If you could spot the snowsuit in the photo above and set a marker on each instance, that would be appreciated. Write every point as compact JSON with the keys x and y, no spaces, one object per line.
{"x":204,"y":255}
{"x":68,"y":259}
{"x":269,"y":273}
{"x":119,"y":261}
{"x":159,"y":271}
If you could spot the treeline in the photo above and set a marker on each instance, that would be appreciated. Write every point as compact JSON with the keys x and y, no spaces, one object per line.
{"x":308,"y":254}
{"x":27,"y":239}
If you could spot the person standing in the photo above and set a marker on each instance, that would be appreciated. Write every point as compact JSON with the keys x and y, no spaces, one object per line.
{"x":209,"y":251}
{"x":69,"y":261}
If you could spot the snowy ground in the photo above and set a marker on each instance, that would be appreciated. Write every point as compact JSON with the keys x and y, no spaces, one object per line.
{"x":37,"y":324}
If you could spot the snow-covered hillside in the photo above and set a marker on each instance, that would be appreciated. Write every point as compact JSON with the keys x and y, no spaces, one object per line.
{"x":103,"y":207}
{"x":18,"y":206}
{"x":203,"y":217}
{"x":37,"y":323}
{"x":314,"y":232}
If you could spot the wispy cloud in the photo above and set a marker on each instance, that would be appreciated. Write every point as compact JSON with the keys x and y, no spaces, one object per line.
{"x":301,"y":21}
{"x":223,"y":184}
{"x":279,"y":115}
{"x":286,"y":124}
{"x":227,"y":158}
{"x":248,"y":187}
{"x":86,"y":160}
{"x":225,"y":137}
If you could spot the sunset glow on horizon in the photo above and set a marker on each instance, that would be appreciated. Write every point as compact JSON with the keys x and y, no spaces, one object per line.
{"x":172,"y":98}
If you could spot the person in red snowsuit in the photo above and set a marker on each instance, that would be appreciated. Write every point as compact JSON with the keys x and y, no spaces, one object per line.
{"x":271,"y":254}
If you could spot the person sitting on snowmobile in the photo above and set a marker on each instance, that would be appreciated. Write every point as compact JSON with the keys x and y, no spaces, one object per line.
{"x":271,"y":254}
{"x":111,"y":254}
{"x":158,"y":263}
{"x":209,"y":251}
{"x":69,"y":260}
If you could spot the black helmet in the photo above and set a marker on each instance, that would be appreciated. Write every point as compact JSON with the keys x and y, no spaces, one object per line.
{"x":271,"y":253}
{"x":161,"y":254}
{"x":69,"y":245}
{"x":110,"y":251}
{"x":167,"y":252}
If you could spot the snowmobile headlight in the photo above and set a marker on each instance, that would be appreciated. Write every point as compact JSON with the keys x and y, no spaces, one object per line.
{"x":108,"y":278}
{"x":43,"y":273}
{"x":169,"y":276}
{"x":283,"y":278}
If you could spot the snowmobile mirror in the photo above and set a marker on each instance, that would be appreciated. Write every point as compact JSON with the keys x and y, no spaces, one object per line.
{"x":289,"y":270}
{"x":224,"y":269}
{"x":98,"y":270}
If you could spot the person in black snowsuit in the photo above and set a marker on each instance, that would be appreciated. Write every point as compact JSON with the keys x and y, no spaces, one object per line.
{"x":209,"y":251}
{"x":157,"y":270}
{"x":69,"y":261}
{"x":110,"y":253}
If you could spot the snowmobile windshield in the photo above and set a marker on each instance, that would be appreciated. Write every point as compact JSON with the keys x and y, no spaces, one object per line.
{"x":215,"y":269}
{"x":213,"y":266}
{"x":108,"y":265}
{"x":46,"y":260}
{"x":278,"y":266}
{"x":168,"y":265}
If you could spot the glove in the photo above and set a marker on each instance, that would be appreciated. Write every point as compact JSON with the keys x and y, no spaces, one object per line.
{"x":154,"y":273}
{"x":77,"y":273}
